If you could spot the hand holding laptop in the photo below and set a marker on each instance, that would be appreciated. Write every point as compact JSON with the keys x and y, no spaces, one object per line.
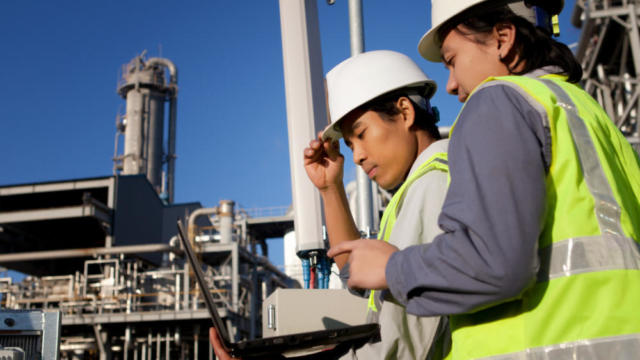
{"x":221,"y":353}
{"x":340,"y":339}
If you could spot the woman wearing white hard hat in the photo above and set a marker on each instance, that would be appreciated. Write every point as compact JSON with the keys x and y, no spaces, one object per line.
{"x":539,"y":259}
{"x":379,"y":102}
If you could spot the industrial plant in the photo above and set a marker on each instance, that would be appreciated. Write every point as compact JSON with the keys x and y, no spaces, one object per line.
{"x":106,"y":277}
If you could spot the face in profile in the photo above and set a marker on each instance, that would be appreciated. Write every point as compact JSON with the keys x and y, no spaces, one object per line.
{"x":382,"y":145}
{"x":470,"y":59}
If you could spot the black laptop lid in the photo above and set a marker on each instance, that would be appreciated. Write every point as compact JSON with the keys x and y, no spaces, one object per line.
{"x":204,"y":287}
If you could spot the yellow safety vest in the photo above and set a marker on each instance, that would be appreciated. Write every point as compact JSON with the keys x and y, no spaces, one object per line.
{"x":437,"y":161}
{"x":585,"y":303}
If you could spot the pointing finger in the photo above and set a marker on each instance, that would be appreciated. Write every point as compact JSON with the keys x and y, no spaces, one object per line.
{"x":342,"y":248}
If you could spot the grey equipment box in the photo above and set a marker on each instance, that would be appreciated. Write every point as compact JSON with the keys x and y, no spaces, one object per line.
{"x":30,"y":334}
{"x":289,"y":311}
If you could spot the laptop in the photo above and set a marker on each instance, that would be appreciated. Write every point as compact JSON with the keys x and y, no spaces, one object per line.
{"x":277,"y":346}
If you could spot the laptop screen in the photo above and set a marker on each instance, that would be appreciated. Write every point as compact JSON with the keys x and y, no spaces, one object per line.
{"x":204,"y":287}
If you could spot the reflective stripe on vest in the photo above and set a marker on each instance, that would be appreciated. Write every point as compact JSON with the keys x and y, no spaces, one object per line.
{"x":609,"y":251}
{"x":587,"y":254}
{"x":607,"y":209}
{"x":584,"y":303}
{"x":437,"y":161}
{"x":614,"y":347}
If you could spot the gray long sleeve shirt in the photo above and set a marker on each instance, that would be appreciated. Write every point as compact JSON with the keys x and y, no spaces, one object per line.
{"x":498,"y":158}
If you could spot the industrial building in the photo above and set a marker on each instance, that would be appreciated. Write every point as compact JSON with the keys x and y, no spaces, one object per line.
{"x":103,"y":252}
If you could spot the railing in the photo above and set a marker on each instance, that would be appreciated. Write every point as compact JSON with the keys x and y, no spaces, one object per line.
{"x":271,"y":211}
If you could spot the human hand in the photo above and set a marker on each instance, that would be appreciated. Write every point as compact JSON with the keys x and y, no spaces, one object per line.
{"x":367,"y":262}
{"x":324,"y":163}
{"x":218,"y":349}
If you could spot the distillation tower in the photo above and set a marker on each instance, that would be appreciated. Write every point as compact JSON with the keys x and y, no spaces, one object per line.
{"x":104,"y":252}
{"x":609,"y":51}
{"x":146,"y":90}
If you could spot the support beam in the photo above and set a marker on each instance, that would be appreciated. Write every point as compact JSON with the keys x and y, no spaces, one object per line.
{"x":89,"y":252}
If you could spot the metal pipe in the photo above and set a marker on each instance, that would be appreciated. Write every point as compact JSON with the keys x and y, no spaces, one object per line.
{"x":186,"y":295}
{"x":254,"y":303}
{"x":88,"y":252}
{"x":150,"y":345}
{"x":154,"y":138}
{"x":171,"y":156}
{"x":225,"y":215}
{"x":235,"y":275}
{"x":127,"y":342}
{"x":167,"y":350}
{"x":364,"y":195}
{"x":196,"y":335}
{"x":173,"y":70}
{"x":356,"y":27}
{"x":634,"y":34}
{"x":158,"y":345}
{"x":265,"y":263}
{"x":97,"y":330}
{"x":173,"y":110}
{"x":191,"y":222}
{"x":177,"y":298}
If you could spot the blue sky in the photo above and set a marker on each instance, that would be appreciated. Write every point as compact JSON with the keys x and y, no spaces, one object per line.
{"x":61,"y":61}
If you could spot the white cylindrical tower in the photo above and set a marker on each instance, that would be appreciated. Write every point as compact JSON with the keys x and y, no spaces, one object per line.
{"x":226,"y":216}
{"x":145,"y":89}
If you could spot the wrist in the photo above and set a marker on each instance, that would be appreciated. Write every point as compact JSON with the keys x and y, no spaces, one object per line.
{"x":331,"y":189}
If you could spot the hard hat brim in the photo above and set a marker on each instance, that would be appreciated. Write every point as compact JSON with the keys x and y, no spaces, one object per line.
{"x":332,"y":132}
{"x":429,"y":46}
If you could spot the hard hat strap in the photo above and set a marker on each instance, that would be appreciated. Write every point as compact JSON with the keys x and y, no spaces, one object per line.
{"x":420,"y":101}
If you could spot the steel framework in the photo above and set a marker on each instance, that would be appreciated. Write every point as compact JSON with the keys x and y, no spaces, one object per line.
{"x":609,"y":51}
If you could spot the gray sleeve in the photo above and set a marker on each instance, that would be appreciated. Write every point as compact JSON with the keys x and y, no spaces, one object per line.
{"x":344,"y":277}
{"x":492,"y":215}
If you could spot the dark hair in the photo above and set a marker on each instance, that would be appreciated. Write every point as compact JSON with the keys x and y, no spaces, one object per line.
{"x":386,"y":106}
{"x":534,"y":46}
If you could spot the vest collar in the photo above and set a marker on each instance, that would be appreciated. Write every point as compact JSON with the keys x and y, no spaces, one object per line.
{"x":435,"y":147}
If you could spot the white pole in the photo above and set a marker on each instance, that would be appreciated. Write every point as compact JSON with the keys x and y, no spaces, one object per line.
{"x":306,"y":111}
{"x":364,"y":216}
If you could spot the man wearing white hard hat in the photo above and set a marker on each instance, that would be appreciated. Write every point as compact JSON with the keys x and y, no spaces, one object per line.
{"x":379,"y":103}
{"x":540,"y":256}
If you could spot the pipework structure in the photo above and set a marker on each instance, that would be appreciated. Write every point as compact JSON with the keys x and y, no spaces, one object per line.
{"x":145,"y":88}
{"x":609,"y":51}
{"x":120,"y":304}
{"x":103,"y":251}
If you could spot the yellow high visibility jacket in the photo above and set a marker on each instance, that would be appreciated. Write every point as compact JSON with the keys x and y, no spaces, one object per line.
{"x":438,"y":161}
{"x":585,"y":303}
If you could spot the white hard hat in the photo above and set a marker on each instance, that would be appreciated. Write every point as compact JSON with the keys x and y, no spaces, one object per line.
{"x":443,"y":10}
{"x":366,"y":76}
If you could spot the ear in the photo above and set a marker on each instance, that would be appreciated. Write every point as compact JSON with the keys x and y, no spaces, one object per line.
{"x":407,"y":111}
{"x":505,"y":34}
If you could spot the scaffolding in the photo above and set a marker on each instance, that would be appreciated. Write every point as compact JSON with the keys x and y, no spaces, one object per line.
{"x":609,"y":52}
